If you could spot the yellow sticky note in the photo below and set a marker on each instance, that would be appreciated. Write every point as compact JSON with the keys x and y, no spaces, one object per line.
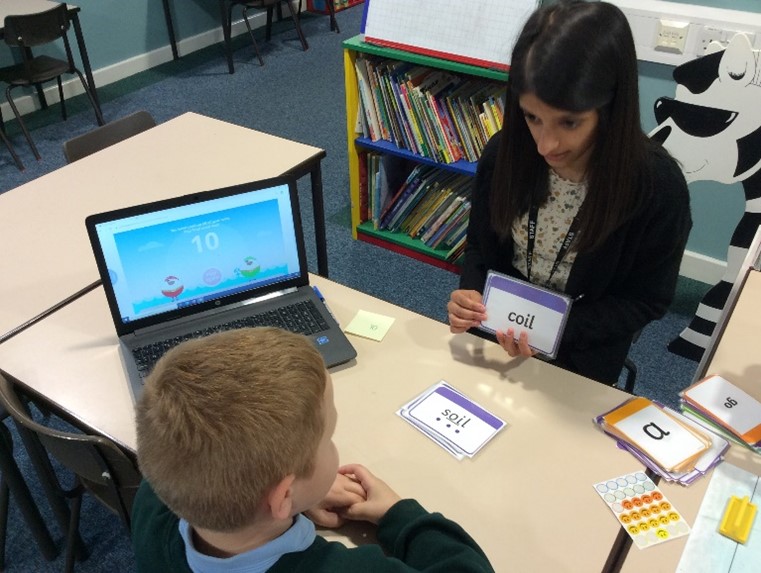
{"x":369,"y":325}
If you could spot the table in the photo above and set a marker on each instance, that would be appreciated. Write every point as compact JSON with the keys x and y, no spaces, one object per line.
{"x":19,"y":7}
{"x":45,"y":255}
{"x":736,"y":358}
{"x":527,"y":497}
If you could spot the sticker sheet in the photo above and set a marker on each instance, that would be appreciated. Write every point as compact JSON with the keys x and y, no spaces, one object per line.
{"x":642,"y":509}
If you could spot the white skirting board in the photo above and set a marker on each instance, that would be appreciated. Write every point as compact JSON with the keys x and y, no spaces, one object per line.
{"x":702,"y":268}
{"x":134,"y":65}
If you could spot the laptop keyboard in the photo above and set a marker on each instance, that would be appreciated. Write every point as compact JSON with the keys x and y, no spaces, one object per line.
{"x":301,"y":318}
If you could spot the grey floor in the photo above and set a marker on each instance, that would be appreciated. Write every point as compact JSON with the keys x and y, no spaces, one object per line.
{"x":297,"y":95}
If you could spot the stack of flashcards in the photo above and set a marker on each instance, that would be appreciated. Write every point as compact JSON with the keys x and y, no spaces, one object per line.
{"x":642,"y":509}
{"x":722,"y":407}
{"x":676,"y":448}
{"x":452,"y":420}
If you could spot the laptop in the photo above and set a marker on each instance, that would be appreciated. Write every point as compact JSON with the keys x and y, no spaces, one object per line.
{"x":189,"y":266}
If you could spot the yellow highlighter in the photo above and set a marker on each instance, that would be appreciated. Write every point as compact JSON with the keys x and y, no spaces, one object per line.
{"x":738,"y":519}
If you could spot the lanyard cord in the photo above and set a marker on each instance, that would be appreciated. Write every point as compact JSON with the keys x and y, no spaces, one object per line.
{"x":533,"y":215}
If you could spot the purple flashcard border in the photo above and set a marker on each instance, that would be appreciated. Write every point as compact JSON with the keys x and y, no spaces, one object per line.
{"x":529,"y":292}
{"x":474,"y":409}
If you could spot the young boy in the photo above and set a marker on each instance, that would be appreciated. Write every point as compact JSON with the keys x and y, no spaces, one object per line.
{"x":234,"y":439}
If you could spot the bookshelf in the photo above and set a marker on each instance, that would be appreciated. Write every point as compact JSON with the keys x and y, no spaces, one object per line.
{"x":320,"y":6}
{"x":359,"y":145}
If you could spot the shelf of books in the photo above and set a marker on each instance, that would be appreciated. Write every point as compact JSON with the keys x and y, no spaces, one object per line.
{"x":321,"y":6}
{"x":416,"y":127}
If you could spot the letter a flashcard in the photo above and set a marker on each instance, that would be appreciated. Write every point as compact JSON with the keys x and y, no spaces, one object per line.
{"x":667,"y":441}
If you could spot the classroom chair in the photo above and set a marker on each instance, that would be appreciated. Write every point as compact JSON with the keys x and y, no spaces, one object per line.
{"x":12,"y":151}
{"x":99,"y":466}
{"x":28,"y":31}
{"x":270,"y":6}
{"x":631,"y":375}
{"x":630,"y":368}
{"x":12,"y":483}
{"x":106,"y":135}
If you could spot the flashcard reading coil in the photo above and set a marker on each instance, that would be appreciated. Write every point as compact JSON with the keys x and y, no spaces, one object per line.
{"x":522,"y":306}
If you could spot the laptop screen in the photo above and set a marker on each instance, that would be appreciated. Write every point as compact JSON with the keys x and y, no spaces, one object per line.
{"x":168,"y":259}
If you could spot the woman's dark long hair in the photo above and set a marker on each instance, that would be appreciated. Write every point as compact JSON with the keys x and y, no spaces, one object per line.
{"x":574,"y":56}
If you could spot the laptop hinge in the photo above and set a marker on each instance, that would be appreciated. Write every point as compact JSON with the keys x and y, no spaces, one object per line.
{"x":211,"y":315}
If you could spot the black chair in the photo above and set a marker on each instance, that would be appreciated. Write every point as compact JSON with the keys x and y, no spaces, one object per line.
{"x":31,"y":30}
{"x":12,"y":483}
{"x":630,"y":368}
{"x":10,"y":148}
{"x":270,"y":6}
{"x":99,"y":466}
{"x":631,"y":375}
{"x":107,"y":135}
{"x":330,"y":5}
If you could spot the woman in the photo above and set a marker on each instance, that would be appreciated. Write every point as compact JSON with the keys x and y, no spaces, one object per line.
{"x":572,"y":160}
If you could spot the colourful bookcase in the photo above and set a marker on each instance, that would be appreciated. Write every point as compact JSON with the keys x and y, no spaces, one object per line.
{"x":358,"y":146}
{"x":321,"y":7}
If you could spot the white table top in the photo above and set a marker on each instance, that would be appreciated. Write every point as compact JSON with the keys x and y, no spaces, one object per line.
{"x":527,"y":497}
{"x":45,"y":255}
{"x":737,"y":358}
{"x":20,"y":7}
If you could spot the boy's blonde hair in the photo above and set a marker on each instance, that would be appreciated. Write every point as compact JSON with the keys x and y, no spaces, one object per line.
{"x":224,"y":418}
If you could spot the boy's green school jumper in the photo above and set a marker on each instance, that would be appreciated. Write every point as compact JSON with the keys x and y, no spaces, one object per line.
{"x":414,"y":540}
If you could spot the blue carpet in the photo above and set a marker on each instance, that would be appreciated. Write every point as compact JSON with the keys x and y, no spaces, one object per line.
{"x":298,"y":95}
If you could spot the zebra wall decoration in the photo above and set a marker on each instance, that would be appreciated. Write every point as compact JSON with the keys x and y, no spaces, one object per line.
{"x":713,"y":128}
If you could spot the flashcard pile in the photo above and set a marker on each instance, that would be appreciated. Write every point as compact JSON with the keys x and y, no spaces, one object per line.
{"x":452,"y":420}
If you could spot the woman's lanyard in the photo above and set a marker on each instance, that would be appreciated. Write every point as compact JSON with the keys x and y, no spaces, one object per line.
{"x":533,"y":215}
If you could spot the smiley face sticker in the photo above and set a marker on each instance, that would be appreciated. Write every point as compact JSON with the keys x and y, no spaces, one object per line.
{"x":642,"y":509}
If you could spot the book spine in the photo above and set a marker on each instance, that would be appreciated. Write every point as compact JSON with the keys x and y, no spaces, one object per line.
{"x":403,"y":114}
{"x":377,"y":100}
{"x":461,"y":127}
{"x":374,"y":207}
{"x":392,"y":111}
{"x":404,"y":190}
{"x":450,"y":136}
{"x":366,"y":99}
{"x":418,"y":192}
{"x":416,"y":182}
{"x":363,"y":186}
{"x":446,"y":231}
{"x":420,"y":108}
{"x":417,"y":138}
{"x":451,"y":207}
{"x":436,"y":197}
{"x":422,"y":210}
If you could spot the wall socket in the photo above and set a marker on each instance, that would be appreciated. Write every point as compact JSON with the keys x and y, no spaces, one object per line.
{"x":708,"y":34}
{"x":662,"y":44}
{"x":671,"y":36}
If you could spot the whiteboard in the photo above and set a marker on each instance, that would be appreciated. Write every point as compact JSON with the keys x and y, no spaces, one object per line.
{"x":478,"y":32}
